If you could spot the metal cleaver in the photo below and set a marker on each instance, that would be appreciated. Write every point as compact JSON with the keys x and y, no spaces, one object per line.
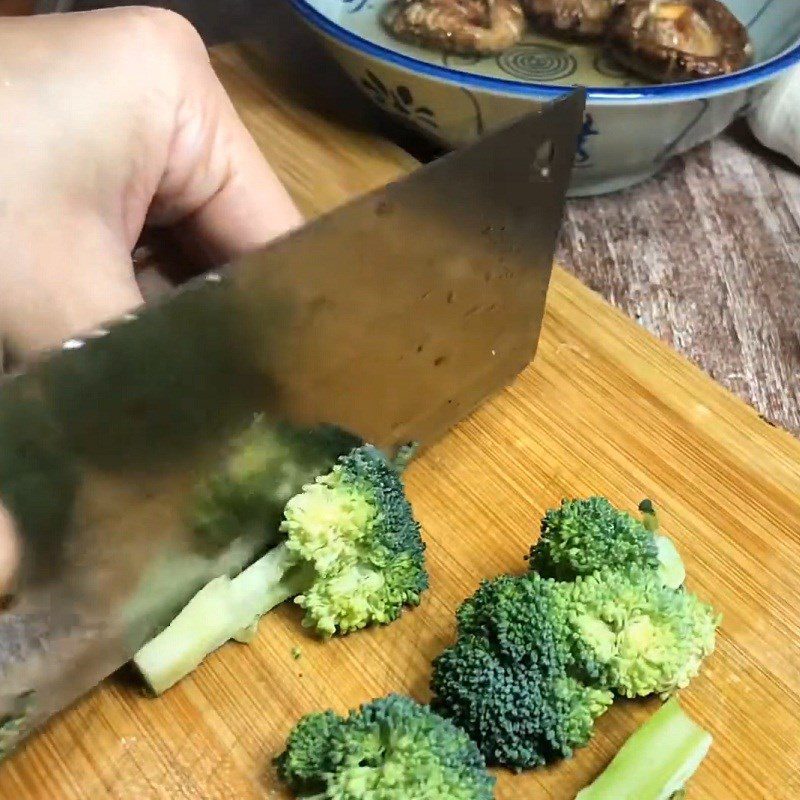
{"x":391,"y":318}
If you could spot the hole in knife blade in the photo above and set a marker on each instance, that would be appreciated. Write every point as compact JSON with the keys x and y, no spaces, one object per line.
{"x":543,"y":159}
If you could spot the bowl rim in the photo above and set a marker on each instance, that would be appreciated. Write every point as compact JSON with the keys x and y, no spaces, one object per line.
{"x":694,"y":90}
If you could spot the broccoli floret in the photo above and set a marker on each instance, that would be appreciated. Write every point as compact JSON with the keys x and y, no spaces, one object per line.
{"x":388,"y":749}
{"x":520,"y":715}
{"x":541,"y":655}
{"x":583,"y":536}
{"x":357,"y":528}
{"x":656,"y":762}
{"x":310,"y":752}
{"x":632,"y":626}
{"x":353,"y":557}
{"x":521,"y":618}
{"x":637,"y":635}
{"x":511,"y":681}
{"x":264,"y":467}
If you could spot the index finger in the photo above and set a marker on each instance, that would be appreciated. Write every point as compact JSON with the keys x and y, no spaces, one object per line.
{"x":217,"y":187}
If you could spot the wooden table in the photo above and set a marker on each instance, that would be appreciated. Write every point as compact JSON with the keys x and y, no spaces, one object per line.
{"x":706,"y":256}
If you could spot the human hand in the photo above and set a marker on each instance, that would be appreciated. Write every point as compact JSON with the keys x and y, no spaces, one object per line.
{"x":110,"y":120}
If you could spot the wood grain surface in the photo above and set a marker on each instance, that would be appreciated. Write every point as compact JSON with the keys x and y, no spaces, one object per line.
{"x":606,"y":408}
{"x":706,"y":255}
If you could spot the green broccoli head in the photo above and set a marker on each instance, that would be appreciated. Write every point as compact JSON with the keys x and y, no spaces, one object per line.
{"x":265,"y":466}
{"x":510,"y":680}
{"x":519,"y":615}
{"x":637,"y":635}
{"x":539,"y":657}
{"x":310,"y":753}
{"x":583,"y":536}
{"x":520,"y":715}
{"x":388,"y":749}
{"x":357,"y":529}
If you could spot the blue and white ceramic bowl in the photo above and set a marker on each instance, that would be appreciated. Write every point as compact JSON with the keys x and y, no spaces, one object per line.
{"x":630,"y":129}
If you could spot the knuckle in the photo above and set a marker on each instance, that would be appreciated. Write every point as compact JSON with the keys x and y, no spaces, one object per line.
{"x":162,"y":29}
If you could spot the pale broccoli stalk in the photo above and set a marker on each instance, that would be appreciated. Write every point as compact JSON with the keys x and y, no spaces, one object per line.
{"x":656,"y":762}
{"x":353,"y":557}
{"x":671,"y":567}
{"x":224,"y":609}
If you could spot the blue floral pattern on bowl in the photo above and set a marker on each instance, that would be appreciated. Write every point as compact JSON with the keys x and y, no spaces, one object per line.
{"x":354,"y":6}
{"x":398,"y":99}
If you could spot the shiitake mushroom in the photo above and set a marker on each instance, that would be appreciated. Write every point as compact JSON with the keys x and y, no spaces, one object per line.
{"x":678,"y":40}
{"x":575,"y":19}
{"x":463,"y":27}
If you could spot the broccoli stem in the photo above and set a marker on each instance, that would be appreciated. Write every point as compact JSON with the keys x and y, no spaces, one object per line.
{"x":656,"y":762}
{"x":223,"y":609}
{"x":672,"y":569}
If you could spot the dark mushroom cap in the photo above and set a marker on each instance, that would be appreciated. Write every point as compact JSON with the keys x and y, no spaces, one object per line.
{"x":679,"y":40}
{"x":465,"y":27}
{"x":575,"y":19}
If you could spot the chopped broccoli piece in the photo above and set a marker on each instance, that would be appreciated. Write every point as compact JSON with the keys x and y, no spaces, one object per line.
{"x":353,"y":557}
{"x":540,"y":656}
{"x":517,"y":614}
{"x":388,"y":749}
{"x":265,"y":466}
{"x":510,"y":680}
{"x":656,"y":762}
{"x":357,"y":528}
{"x":583,"y":536}
{"x":640,"y":636}
{"x":297,"y":653}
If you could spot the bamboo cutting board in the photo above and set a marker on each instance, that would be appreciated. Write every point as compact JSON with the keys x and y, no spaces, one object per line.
{"x":605,"y":409}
